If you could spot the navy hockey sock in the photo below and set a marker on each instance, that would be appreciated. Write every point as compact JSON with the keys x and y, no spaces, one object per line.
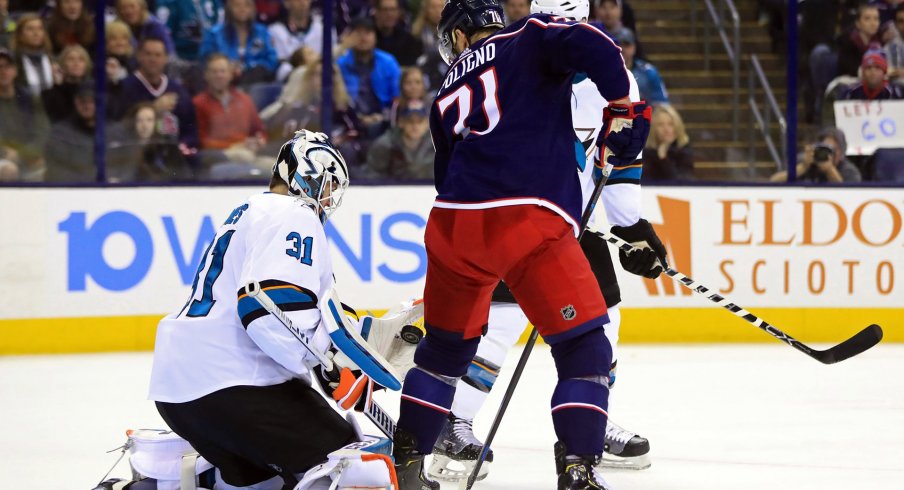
{"x":581,"y":398}
{"x":426,"y":401}
{"x":579,"y":415}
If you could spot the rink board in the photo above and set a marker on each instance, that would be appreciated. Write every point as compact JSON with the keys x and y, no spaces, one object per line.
{"x":86,"y":270}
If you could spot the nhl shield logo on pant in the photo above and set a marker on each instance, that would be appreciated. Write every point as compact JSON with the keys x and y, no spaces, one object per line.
{"x":569,"y":313}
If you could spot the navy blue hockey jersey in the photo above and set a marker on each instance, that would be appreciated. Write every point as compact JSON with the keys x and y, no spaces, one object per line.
{"x":502,"y":124}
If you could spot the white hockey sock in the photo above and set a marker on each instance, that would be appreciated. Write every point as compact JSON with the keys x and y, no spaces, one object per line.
{"x":611,"y":330}
{"x":506,"y":323}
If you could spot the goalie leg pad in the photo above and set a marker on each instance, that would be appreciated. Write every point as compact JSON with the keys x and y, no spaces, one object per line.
{"x":351,"y":467}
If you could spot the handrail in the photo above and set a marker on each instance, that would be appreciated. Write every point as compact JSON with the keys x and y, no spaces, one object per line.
{"x":763,"y":120}
{"x":732,"y":48}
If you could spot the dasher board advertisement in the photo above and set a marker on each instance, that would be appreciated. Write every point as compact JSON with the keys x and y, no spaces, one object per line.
{"x":95,"y":269}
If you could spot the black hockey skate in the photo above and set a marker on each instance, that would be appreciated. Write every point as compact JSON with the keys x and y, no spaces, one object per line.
{"x":409,"y":464}
{"x":456,"y":451}
{"x":576,"y":472}
{"x":624,"y":449}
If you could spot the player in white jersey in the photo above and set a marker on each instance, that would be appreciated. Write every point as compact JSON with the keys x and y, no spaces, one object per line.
{"x":457,"y":448}
{"x":229,"y":377}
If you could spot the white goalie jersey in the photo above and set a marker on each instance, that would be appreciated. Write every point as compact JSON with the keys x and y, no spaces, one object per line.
{"x":622,"y":202}
{"x":221,"y":337}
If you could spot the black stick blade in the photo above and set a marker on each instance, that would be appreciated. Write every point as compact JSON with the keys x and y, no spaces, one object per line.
{"x":864,"y":339}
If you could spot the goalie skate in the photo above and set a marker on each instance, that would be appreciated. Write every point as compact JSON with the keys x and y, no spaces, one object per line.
{"x":624,"y":449}
{"x":456,"y":451}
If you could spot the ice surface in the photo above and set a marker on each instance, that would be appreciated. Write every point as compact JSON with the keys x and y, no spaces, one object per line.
{"x":717,"y":416}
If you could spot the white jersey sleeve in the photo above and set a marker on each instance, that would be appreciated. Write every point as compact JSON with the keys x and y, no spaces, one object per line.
{"x":288,"y":255}
{"x":621,"y":202}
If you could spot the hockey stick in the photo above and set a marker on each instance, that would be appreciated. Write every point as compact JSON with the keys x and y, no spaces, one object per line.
{"x":372,"y":410}
{"x":857,"y":344}
{"x":529,"y":346}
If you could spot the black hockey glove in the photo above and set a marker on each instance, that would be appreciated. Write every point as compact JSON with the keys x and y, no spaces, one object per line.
{"x":650,"y":260}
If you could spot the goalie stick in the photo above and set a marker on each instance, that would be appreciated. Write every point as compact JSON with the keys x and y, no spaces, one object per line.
{"x":372,"y":410}
{"x":529,"y":346}
{"x":857,"y":344}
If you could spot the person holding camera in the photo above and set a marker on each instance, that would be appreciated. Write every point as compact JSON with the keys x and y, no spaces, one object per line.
{"x":824,"y":161}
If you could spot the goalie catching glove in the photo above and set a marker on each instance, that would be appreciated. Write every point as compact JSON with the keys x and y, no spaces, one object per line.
{"x":624,"y":133}
{"x":650,"y":260}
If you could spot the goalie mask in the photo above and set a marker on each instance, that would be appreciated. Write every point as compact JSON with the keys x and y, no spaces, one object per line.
{"x":469,"y":16}
{"x":314,"y":171}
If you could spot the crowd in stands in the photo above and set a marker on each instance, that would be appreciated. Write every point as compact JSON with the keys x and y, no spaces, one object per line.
{"x":209,"y":89}
{"x":857,"y":55}
{"x":854,"y":51}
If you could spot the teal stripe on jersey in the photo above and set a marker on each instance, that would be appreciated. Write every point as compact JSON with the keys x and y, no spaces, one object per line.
{"x":287,"y":296}
{"x":632,"y":173}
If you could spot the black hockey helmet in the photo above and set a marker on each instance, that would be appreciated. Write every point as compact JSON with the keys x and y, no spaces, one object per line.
{"x":469,"y":16}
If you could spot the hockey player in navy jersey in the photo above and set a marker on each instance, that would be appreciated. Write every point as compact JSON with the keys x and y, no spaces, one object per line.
{"x":457,"y":448}
{"x":232,"y":379}
{"x":508,"y":207}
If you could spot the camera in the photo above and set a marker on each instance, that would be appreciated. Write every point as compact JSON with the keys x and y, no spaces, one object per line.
{"x":822,"y":152}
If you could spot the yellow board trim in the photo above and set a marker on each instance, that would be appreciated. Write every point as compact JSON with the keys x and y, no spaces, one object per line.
{"x":639,"y":325}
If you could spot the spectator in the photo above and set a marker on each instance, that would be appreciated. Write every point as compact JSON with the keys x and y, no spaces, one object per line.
{"x":404,"y":152}
{"x":143,"y":25}
{"x":171,"y":100}
{"x":609,"y":13}
{"x":298,"y":28}
{"x":668,"y":155}
{"x":120,"y":52}
{"x":227,"y":119}
{"x":7,"y":25}
{"x":612,"y":14}
{"x":300,"y":108}
{"x":424,"y":26}
{"x":23,"y":124}
{"x":824,"y":161}
{"x":70,"y":23}
{"x":886,"y":9}
{"x":138,"y":152}
{"x":70,"y":154}
{"x":268,"y":11}
{"x":33,"y":6}
{"x":187,"y":23}
{"x":515,"y":10}
{"x":893,"y":50}
{"x":899,"y":18}
{"x":413,"y":89}
{"x":652,"y":89}
{"x":853,"y":44}
{"x":873,"y":84}
{"x":32,"y":47}
{"x":392,"y":36}
{"x":371,"y":76}
{"x":245,"y":42}
{"x":75,"y":67}
{"x":9,"y":170}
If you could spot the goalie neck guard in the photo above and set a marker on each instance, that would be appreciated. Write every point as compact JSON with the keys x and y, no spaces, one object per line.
{"x":314,"y":171}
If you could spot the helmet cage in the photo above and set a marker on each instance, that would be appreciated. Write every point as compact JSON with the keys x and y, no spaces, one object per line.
{"x":314,"y":171}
